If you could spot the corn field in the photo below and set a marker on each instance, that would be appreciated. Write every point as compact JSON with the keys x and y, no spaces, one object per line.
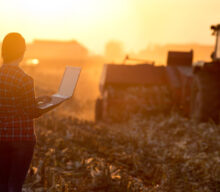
{"x":163,"y":152}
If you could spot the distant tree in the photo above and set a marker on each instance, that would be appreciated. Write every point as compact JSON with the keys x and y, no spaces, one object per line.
{"x":114,"y":51}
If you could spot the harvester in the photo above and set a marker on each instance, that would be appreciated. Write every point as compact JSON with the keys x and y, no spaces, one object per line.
{"x":145,"y":87}
{"x":193,"y":90}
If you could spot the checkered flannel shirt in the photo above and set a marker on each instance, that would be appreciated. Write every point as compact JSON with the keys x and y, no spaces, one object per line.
{"x":17,"y":105}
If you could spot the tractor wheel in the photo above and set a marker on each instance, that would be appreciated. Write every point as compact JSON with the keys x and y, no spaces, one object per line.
{"x":98,"y":110}
{"x":205,"y":97}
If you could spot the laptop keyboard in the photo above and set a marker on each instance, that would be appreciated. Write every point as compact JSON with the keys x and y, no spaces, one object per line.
{"x":56,"y":100}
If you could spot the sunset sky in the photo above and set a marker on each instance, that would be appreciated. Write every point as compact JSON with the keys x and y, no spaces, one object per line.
{"x":136,"y":23}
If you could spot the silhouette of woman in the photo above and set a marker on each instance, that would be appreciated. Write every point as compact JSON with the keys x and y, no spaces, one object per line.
{"x":18,"y":108}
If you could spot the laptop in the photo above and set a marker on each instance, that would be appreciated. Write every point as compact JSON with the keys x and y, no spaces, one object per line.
{"x":66,"y":89}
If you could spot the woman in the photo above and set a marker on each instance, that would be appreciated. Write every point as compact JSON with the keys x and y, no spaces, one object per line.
{"x":18,"y":108}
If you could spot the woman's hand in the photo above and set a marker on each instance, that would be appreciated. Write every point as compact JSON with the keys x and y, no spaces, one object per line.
{"x":41,"y":101}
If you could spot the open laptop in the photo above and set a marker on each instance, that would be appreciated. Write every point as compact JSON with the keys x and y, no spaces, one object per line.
{"x":66,"y":89}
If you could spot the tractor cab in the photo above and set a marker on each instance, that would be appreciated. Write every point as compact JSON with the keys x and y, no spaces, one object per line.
{"x":216,"y":31}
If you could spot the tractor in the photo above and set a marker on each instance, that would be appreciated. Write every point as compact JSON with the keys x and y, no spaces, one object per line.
{"x":205,"y":94}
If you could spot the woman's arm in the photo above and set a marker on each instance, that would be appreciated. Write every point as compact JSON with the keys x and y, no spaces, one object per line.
{"x":30,"y":104}
{"x":28,"y":100}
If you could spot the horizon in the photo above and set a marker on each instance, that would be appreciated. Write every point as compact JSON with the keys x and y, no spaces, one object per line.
{"x":114,"y":52}
{"x":102,"y":50}
{"x":151,"y":45}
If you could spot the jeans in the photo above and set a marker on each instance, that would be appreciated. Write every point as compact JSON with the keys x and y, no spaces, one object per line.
{"x":15,"y":159}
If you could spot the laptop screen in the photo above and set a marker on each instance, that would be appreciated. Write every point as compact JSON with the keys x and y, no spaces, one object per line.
{"x":69,"y":81}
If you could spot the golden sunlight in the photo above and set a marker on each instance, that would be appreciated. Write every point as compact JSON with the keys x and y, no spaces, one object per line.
{"x":43,"y":8}
{"x":82,"y":9}
{"x":133,"y":119}
{"x":136,"y":24}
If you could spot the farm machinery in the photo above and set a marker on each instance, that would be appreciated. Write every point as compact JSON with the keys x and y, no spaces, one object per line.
{"x":205,"y":96}
{"x":148,"y":89}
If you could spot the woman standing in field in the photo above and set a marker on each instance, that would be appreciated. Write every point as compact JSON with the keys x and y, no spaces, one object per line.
{"x":18,"y":108}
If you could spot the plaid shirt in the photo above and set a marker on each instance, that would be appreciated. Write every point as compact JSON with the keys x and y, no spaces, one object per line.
{"x":17,"y":105}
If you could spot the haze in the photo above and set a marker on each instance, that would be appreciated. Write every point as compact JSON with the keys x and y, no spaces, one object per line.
{"x":136,"y":23}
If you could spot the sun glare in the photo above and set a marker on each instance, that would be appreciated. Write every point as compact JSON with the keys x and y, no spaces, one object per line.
{"x":43,"y":8}
{"x":79,"y":9}
{"x":136,"y":23}
{"x":32,"y":62}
